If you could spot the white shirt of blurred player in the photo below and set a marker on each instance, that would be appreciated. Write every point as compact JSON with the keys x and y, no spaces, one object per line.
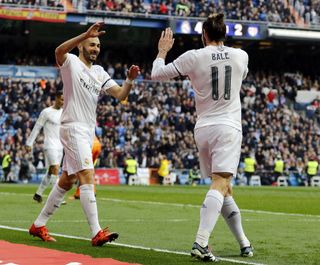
{"x":81,"y":89}
{"x":201,"y":65}
{"x":49,"y":120}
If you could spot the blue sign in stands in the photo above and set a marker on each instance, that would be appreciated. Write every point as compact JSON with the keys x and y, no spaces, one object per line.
{"x":25,"y":72}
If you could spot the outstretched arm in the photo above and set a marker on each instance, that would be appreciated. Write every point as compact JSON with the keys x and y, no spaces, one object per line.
{"x":165,"y":43}
{"x":122,"y":92}
{"x":67,"y":46}
{"x":160,"y":71}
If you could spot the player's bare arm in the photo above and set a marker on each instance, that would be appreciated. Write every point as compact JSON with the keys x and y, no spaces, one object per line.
{"x":165,"y":43}
{"x":67,"y":46}
{"x":122,"y":92}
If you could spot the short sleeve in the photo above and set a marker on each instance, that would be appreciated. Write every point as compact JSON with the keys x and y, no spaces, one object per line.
{"x":107,"y":81}
{"x":67,"y":62}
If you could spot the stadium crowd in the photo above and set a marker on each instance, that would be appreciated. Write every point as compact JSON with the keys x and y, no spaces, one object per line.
{"x":273,"y":11}
{"x":158,"y":118}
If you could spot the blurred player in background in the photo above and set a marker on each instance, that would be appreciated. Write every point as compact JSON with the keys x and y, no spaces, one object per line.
{"x":216,"y":73}
{"x":82,"y":84}
{"x":49,"y":120}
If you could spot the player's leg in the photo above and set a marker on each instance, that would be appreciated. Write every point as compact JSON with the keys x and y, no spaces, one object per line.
{"x":230,"y":211}
{"x":53,"y":160}
{"x":89,"y":206}
{"x":231,"y":214}
{"x":81,"y":163}
{"x":50,"y":177}
{"x":209,"y":214}
{"x":206,"y":142}
{"x":53,"y":202}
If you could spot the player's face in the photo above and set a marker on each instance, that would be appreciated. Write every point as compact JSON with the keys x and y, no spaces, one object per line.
{"x":91,"y":49}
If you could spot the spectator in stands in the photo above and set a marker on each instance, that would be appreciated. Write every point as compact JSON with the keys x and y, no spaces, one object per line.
{"x":164,"y":168}
{"x":312,"y":168}
{"x":6,"y":165}
{"x":194,"y":176}
{"x":249,"y":167}
{"x":130,"y":167}
{"x":278,"y":168}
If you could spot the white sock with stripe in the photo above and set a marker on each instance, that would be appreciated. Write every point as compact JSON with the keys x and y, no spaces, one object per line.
{"x":53,"y":202}
{"x":231,"y":214}
{"x":89,"y":206}
{"x":45,"y":183}
{"x":209,"y":214}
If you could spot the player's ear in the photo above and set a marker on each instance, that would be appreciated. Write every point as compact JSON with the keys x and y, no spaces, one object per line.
{"x":80,"y":47}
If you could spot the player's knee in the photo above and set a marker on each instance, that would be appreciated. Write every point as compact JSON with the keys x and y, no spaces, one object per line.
{"x":221,"y":182}
{"x":54,"y":170}
{"x":66,"y":181}
{"x":86,"y":176}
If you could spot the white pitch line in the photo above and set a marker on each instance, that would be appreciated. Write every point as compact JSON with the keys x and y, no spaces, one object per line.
{"x":133,"y":246}
{"x":180,"y":205}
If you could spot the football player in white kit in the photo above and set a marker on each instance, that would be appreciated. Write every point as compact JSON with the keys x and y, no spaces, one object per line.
{"x":49,"y":120}
{"x":216,"y":73}
{"x":82,"y":84}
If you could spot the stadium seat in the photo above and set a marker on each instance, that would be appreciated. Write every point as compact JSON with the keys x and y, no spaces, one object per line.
{"x":282,"y":181}
{"x":133,"y":180}
{"x":315,"y":181}
{"x":255,"y":180}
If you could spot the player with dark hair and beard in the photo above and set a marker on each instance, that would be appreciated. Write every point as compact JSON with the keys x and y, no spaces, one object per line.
{"x":82,"y":83}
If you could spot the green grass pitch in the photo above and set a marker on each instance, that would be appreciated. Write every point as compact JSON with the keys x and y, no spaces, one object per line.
{"x":283,"y":223}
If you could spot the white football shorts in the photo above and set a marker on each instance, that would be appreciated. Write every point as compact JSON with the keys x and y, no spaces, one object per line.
{"x":53,"y":157}
{"x":77,"y":142}
{"x":219,"y":149}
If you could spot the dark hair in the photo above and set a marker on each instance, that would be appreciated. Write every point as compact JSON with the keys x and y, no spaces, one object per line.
{"x":59,"y":93}
{"x":215,"y":28}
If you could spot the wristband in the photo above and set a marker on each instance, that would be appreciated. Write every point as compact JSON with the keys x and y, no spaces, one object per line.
{"x":128,"y":81}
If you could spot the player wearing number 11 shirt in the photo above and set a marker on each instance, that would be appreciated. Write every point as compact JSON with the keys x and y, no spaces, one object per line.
{"x":216,"y":73}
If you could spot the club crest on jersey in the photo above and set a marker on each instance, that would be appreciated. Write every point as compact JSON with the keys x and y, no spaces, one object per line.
{"x":86,"y":162}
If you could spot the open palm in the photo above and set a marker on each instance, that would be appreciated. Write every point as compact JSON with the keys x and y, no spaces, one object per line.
{"x":94,"y":30}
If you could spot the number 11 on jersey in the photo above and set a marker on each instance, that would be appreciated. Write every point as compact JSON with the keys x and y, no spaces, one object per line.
{"x":227,"y":82}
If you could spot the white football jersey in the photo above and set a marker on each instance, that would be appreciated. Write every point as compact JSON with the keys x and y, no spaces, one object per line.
{"x":216,"y":73}
{"x":81,"y":89}
{"x":49,"y":120}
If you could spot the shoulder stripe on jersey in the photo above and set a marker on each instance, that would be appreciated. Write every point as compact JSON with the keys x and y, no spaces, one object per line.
{"x":177,"y":69}
{"x":106,"y":82}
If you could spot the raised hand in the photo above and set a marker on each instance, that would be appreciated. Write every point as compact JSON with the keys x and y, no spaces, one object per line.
{"x":166,"y":40}
{"x":133,"y":72}
{"x":94,"y":30}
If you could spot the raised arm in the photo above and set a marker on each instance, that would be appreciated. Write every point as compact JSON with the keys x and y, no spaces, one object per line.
{"x":160,"y":71}
{"x":67,"y":46}
{"x":121,"y":92}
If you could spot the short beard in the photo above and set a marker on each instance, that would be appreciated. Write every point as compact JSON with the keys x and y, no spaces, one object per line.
{"x":86,"y":55}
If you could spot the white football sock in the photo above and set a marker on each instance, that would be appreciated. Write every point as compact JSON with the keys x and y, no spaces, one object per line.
{"x":45,"y":183}
{"x":209,"y":214}
{"x":53,"y":202}
{"x":231,"y":213}
{"x":89,"y":206}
